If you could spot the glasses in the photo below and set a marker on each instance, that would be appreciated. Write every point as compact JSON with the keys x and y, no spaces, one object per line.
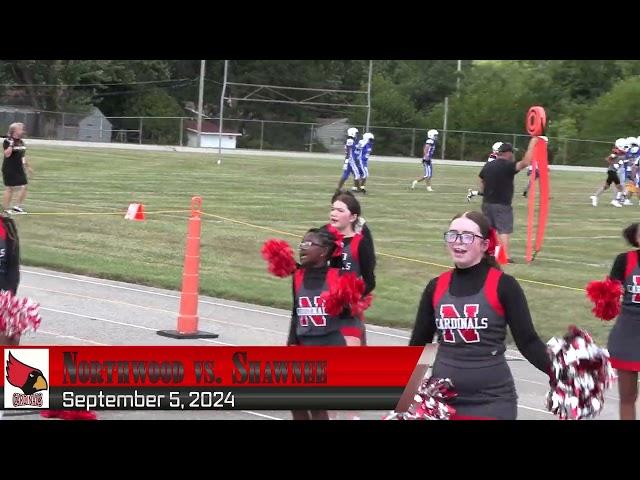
{"x":466,"y":238}
{"x":307,"y":245}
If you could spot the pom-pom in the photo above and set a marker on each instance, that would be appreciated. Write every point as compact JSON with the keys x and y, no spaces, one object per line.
{"x":605,"y":296}
{"x":69,"y":414}
{"x":18,"y":315}
{"x":581,"y":372}
{"x":279,"y":257}
{"x":431,"y":402}
{"x":346,"y":293}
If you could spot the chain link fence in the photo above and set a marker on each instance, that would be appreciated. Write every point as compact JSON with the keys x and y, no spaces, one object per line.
{"x":287,"y":136}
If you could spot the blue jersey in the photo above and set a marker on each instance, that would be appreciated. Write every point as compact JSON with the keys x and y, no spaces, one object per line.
{"x":629,"y":160}
{"x":349,"y":147}
{"x":359,"y":149}
{"x":430,"y":150}
{"x":365,"y":152}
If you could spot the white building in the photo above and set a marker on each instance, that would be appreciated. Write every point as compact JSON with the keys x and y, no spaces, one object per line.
{"x":210,"y":135}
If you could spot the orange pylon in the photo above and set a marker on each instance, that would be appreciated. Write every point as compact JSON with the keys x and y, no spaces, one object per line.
{"x":188,"y":315}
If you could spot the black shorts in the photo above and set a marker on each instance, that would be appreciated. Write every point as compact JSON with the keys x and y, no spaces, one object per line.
{"x":612,"y":177}
{"x":14,"y":177}
{"x":500,"y":216}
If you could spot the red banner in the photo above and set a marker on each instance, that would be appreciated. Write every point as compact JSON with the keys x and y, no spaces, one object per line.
{"x":194,"y":377}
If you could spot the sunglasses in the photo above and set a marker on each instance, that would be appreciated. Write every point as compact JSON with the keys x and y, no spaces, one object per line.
{"x":466,"y":238}
{"x":307,"y":245}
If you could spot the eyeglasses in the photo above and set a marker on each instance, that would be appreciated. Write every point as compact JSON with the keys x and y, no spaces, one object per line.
{"x":307,"y":245}
{"x":466,"y":238}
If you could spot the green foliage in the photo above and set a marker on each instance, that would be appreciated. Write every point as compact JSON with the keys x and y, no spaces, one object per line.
{"x":584,"y":99}
{"x":157,"y":103}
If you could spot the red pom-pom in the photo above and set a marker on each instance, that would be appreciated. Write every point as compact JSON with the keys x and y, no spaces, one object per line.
{"x":69,"y":414}
{"x":78,"y":415}
{"x":605,"y":296}
{"x":279,"y":257}
{"x":347,"y":293}
{"x":361,"y":305}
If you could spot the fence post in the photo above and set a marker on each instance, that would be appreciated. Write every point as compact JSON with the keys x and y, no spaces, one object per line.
{"x":63,"y":128}
{"x":261,"y":133}
{"x":413,"y":142}
{"x":140,"y":132}
{"x":100,"y":128}
{"x":564,"y":153}
{"x":181,"y":129}
{"x":311,"y":139}
{"x":462,"y":146}
{"x":515,"y":138}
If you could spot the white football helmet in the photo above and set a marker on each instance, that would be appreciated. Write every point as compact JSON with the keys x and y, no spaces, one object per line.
{"x":432,"y":134}
{"x":622,"y":145}
{"x":496,"y":146}
{"x":368,"y":136}
{"x":632,"y":141}
{"x":352,"y":132}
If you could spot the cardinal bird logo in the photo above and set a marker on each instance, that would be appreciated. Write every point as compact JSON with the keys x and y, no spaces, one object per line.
{"x":30,"y":380}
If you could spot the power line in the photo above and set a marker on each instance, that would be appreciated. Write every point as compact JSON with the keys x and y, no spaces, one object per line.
{"x":110,"y":94}
{"x":91,"y":84}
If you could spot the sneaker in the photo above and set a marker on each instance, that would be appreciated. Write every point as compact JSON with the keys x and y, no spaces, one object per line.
{"x":594,"y":200}
{"x":429,"y":189}
{"x":413,"y":185}
{"x":627,"y":202}
{"x":17,"y":209}
{"x":355,"y":189}
{"x":469,"y":195}
{"x":511,"y":260}
{"x":363,"y":190}
{"x":524,"y":194}
{"x":7,"y":212}
{"x":616,"y":203}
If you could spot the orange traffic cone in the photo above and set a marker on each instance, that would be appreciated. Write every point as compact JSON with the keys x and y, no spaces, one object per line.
{"x":501,"y":255}
{"x":135,"y":212}
{"x":188,"y":316}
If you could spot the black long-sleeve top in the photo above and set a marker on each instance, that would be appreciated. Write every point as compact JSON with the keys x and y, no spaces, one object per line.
{"x":619,"y":266}
{"x":10,"y":268}
{"x":470,"y":281}
{"x":367,"y":259}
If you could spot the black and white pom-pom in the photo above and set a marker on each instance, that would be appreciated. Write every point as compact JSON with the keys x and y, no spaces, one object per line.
{"x":582,"y":372}
{"x":430,"y":402}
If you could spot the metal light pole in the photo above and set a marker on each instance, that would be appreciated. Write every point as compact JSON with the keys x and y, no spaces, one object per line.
{"x":200,"y":100}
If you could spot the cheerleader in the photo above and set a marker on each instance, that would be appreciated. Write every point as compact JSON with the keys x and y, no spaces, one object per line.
{"x":624,"y":338}
{"x":470,"y":308}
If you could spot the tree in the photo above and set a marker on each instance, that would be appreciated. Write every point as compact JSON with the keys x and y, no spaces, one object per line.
{"x":157,"y":103}
{"x":614,"y":115}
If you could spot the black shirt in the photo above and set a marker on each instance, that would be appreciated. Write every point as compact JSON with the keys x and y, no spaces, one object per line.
{"x":469,"y":281}
{"x":498,"y":181}
{"x":10,"y":260}
{"x":14,"y":160}
{"x":367,"y":259}
{"x":620,"y":265}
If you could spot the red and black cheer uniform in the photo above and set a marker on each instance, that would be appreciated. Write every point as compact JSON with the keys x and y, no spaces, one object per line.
{"x":310,"y":324}
{"x":624,"y":338}
{"x":470,"y":310}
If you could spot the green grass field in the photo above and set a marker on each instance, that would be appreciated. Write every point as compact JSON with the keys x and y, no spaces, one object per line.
{"x":292,"y":195}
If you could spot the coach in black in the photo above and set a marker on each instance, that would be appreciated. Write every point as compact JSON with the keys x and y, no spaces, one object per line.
{"x":496,"y":179}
